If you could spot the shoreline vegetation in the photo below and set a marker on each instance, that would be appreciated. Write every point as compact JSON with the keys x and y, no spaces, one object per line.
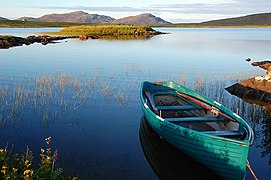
{"x":211,"y":26}
{"x":82,"y":32}
{"x":22,"y":166}
{"x":30,"y":24}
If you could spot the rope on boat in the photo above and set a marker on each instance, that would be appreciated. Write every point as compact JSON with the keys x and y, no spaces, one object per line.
{"x":251,"y":170}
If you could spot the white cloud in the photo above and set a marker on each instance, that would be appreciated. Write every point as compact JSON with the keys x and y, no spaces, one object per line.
{"x":181,"y":12}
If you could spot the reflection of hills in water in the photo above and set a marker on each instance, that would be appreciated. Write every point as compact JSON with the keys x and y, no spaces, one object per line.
{"x":167,"y":161}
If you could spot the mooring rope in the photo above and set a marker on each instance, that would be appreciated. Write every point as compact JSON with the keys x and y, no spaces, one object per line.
{"x":251,"y":170}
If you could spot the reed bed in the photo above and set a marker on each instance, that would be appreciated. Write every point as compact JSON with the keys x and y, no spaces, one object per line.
{"x":53,"y":96}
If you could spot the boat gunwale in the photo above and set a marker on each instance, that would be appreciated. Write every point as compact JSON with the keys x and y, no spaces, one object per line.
{"x":247,"y":142}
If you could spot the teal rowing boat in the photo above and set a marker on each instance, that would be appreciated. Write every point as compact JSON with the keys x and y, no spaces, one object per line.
{"x":200,"y":127}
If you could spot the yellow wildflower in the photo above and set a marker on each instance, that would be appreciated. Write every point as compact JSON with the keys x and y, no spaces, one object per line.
{"x":3,"y":170}
{"x":14,"y":169}
{"x":27,"y":163}
{"x":48,"y":140}
{"x":28,"y":173}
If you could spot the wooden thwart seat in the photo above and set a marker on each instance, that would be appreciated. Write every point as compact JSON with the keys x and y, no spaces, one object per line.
{"x":224,"y":133}
{"x":178,"y":108}
{"x":155,"y":108}
{"x":195,"y":119}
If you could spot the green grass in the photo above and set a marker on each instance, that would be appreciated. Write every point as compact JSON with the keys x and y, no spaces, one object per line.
{"x":29,"y":24}
{"x":6,"y":37}
{"x":104,"y":30}
{"x":20,"y":166}
{"x":196,"y":25}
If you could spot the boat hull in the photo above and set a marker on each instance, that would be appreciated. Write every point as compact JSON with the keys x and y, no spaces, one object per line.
{"x":225,"y":157}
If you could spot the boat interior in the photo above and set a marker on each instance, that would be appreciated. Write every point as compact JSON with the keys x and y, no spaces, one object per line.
{"x":196,"y":115}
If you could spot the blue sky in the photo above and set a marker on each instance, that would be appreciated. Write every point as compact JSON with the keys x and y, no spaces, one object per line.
{"x":173,"y":10}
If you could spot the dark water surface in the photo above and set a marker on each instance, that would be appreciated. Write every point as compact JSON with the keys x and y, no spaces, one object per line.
{"x":85,"y":95}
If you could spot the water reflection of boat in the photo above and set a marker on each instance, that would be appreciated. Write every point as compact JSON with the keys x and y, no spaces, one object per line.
{"x":166,"y":160}
{"x":198,"y":126}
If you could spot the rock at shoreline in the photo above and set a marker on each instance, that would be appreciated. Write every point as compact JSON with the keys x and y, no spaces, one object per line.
{"x":8,"y":42}
{"x":11,"y":41}
{"x":266,"y":65}
{"x":257,"y":88}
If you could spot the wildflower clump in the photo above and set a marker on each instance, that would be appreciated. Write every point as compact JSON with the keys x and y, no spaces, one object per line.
{"x":15,"y":166}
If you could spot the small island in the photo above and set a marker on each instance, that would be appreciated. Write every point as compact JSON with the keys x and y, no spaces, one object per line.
{"x":83,"y":32}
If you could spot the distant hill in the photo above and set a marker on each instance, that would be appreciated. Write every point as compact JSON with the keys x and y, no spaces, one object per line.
{"x":76,"y":17}
{"x":263,"y":19}
{"x":27,"y":19}
{"x":143,"y":19}
{"x":1,"y":18}
{"x":83,"y":17}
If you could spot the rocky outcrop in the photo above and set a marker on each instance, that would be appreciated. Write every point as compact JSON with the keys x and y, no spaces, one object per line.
{"x":257,"y":88}
{"x":11,"y":41}
{"x":266,"y":65}
{"x":8,"y":42}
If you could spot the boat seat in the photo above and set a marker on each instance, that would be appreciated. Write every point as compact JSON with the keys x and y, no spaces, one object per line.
{"x":224,"y":133}
{"x":151,"y":101}
{"x":195,"y":119}
{"x":176,"y":108}
{"x":172,"y":92}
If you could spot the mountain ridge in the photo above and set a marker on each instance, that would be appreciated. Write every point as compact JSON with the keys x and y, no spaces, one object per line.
{"x":76,"y":17}
{"x":145,"y":18}
{"x":2,"y":18}
{"x":83,"y":17}
{"x":260,"y":19}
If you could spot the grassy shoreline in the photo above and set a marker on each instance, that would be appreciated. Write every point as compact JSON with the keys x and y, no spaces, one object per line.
{"x":29,"y":24}
{"x":210,"y":26}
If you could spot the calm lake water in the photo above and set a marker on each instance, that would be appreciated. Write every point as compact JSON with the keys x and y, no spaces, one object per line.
{"x":85,"y":95}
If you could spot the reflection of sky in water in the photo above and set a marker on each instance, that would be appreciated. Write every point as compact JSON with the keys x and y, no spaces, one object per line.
{"x":207,"y":51}
{"x":24,"y":32}
{"x":101,"y":123}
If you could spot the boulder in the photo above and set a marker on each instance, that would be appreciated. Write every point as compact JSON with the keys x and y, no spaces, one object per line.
{"x":257,"y":88}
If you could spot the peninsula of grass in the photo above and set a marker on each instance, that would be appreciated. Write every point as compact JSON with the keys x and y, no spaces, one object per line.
{"x":106,"y":30}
